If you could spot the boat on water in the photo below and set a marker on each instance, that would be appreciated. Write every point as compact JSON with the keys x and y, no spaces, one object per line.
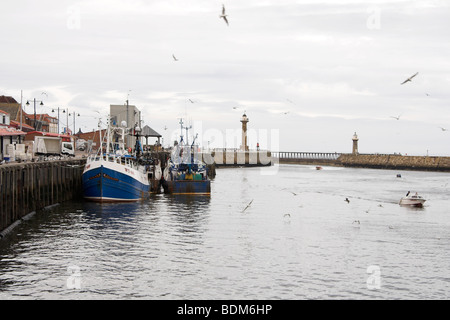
{"x":412,"y":200}
{"x":184,"y":172}
{"x":116,"y":174}
{"x":319,"y":168}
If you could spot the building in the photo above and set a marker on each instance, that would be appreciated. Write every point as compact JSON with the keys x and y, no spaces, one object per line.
{"x":13,"y":108}
{"x":43,"y":122}
{"x":9,"y":136}
{"x":148,"y":132}
{"x":132,"y":117}
{"x":92,"y":138}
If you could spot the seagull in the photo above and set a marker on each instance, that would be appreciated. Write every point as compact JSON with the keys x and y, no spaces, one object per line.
{"x":248,"y":206}
{"x":410,"y":78}
{"x":397,"y":118}
{"x":443,"y":129}
{"x":223,"y":15}
{"x":174,"y":58}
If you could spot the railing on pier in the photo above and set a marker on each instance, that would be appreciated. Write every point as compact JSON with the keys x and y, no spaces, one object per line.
{"x":306,"y":155}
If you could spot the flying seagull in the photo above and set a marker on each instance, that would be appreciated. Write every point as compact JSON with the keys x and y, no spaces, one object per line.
{"x":248,"y":206}
{"x":223,"y":15}
{"x":174,"y":58}
{"x":410,"y":78}
{"x":397,"y":118}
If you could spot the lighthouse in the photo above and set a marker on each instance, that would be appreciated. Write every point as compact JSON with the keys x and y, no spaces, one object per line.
{"x":355,"y":144}
{"x":244,"y":120}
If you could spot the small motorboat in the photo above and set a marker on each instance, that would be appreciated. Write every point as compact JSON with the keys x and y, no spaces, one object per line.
{"x":319,"y":168}
{"x":412,"y":200}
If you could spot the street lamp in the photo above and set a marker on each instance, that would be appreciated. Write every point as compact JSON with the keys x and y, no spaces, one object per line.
{"x":74,"y":116}
{"x":58,"y":119}
{"x":34,"y":101}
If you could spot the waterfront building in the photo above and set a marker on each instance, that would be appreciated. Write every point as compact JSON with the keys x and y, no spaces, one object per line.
{"x":9,"y":137}
{"x":128,"y":113}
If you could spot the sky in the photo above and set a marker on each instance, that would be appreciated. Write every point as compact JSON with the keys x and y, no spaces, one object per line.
{"x":308,"y":74}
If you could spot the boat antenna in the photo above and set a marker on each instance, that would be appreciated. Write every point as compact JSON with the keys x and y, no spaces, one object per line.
{"x":196,"y":136}
{"x":181,"y":127}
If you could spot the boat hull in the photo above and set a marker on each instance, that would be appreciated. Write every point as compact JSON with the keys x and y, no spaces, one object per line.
{"x":202,"y":187}
{"x":105,"y":184}
{"x":412,"y":202}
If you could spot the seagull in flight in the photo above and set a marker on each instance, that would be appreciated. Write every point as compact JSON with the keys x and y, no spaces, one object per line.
{"x":410,"y":78}
{"x":174,"y":58}
{"x":223,"y":15}
{"x":397,"y":118}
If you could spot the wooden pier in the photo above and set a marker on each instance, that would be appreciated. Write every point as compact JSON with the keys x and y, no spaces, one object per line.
{"x":33,"y":186}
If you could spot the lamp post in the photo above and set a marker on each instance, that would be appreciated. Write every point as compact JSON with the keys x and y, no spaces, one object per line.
{"x":74,"y":114}
{"x":58,"y":119}
{"x":34,"y":101}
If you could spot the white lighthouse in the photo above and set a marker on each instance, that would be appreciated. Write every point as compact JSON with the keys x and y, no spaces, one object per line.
{"x":244,"y":120}
{"x":355,"y":144}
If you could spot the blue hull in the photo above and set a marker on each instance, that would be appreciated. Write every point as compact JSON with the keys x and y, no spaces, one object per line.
{"x":106,"y":185}
{"x":189,"y":187}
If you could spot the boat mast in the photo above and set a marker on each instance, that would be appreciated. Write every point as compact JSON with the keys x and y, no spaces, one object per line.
{"x":101,"y":141}
{"x":181,"y":127}
{"x":108,"y":139}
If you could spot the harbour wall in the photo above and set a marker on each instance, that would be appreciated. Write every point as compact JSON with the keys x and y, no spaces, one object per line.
{"x":27,"y":188}
{"x":238,"y":158}
{"x":397,"y":162}
{"x":372,"y":161}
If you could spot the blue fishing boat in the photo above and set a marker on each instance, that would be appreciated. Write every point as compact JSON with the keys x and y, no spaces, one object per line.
{"x":184,"y":172}
{"x":114,"y":174}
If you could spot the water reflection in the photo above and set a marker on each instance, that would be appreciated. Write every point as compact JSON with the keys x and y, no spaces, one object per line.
{"x":283,"y":246}
{"x":189,"y":213}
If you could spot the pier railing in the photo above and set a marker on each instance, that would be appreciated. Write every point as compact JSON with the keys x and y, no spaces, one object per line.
{"x":306,"y":155}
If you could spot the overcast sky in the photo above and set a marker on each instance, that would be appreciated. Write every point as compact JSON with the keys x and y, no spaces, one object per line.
{"x":308,"y":74}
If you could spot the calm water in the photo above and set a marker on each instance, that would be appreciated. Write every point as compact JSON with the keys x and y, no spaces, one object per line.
{"x":263,"y":234}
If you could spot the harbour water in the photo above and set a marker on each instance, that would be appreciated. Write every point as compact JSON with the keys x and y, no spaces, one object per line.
{"x":283,"y":233}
